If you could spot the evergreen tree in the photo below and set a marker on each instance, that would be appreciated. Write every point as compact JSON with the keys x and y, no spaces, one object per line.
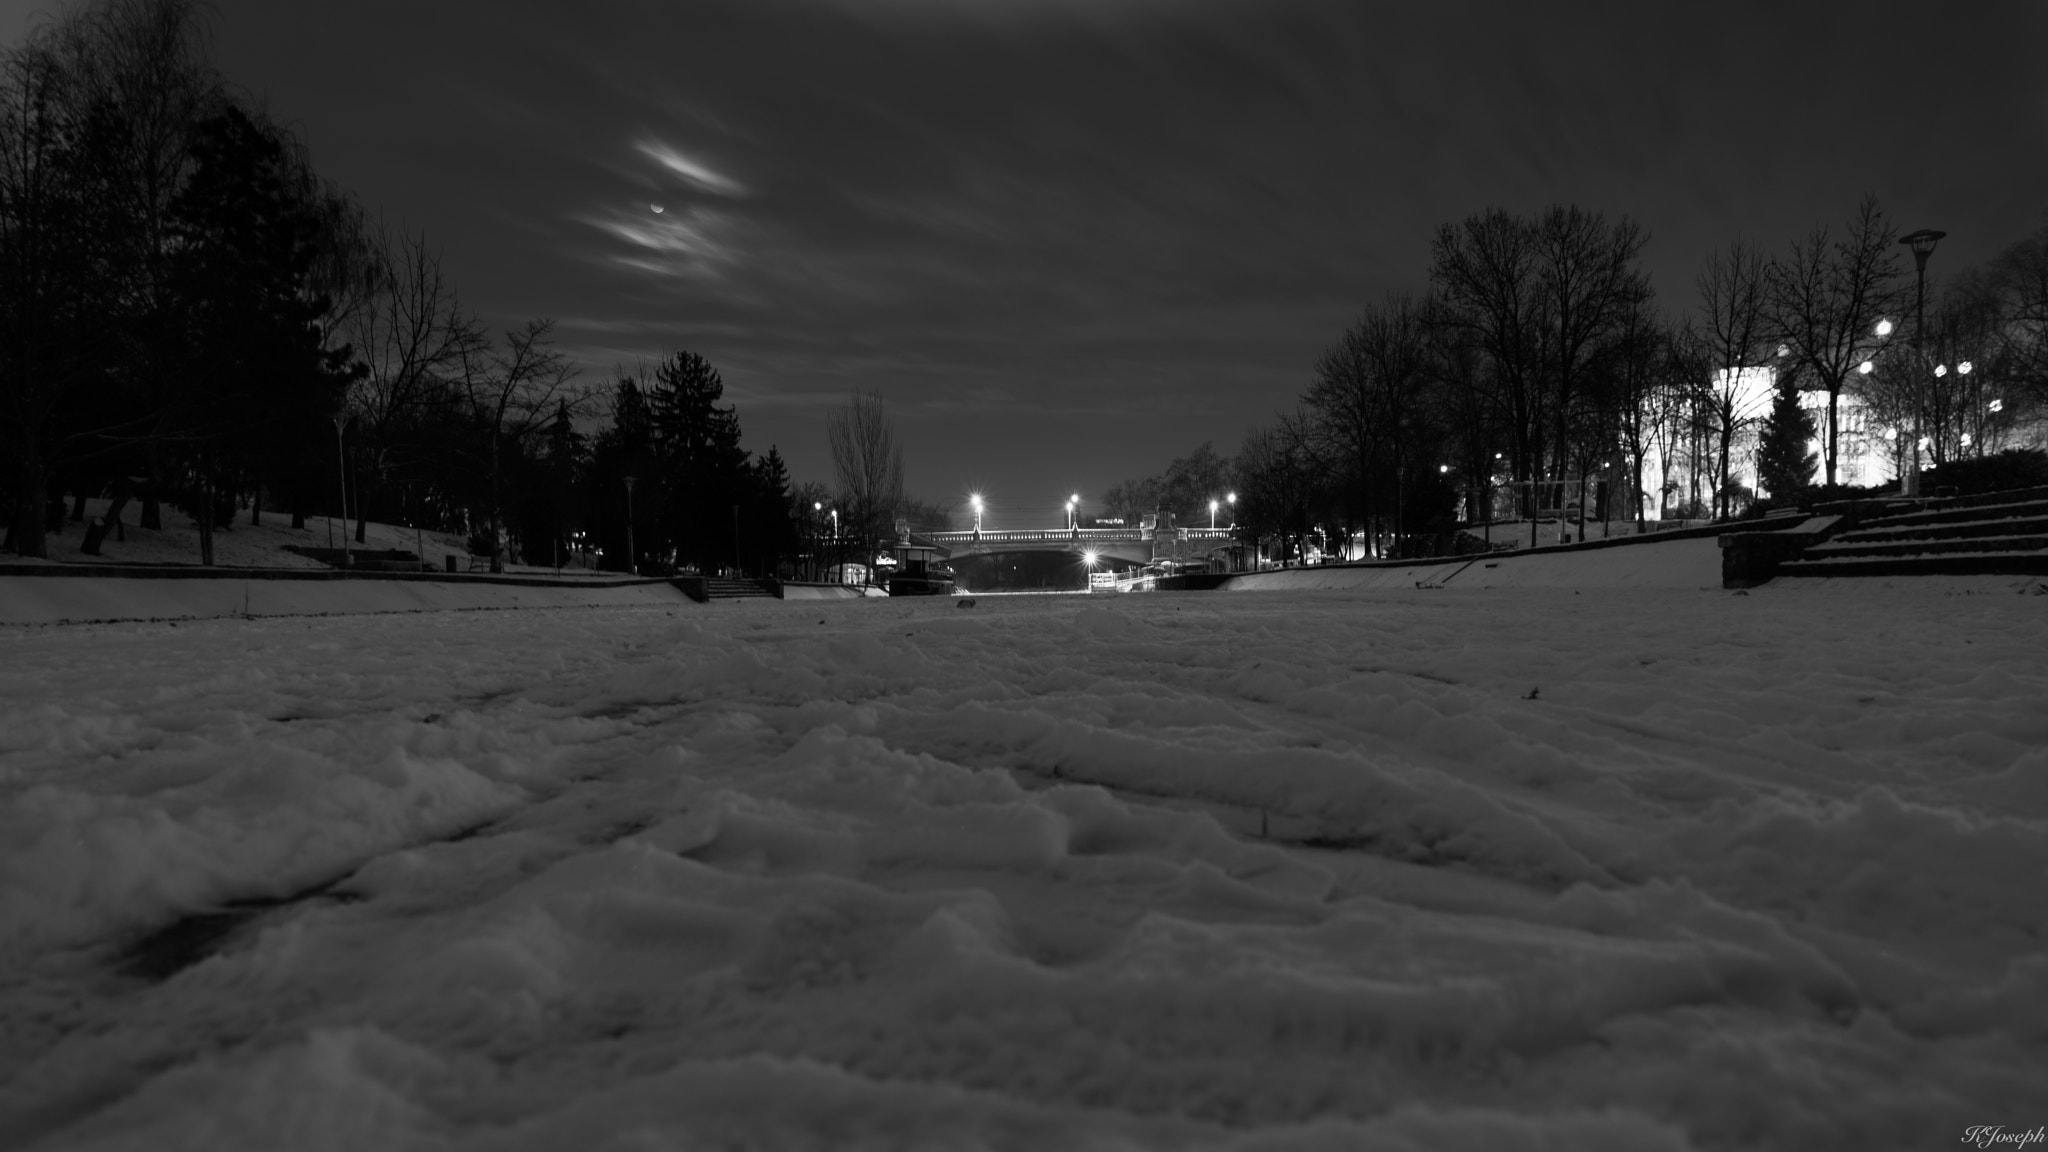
{"x":699,"y":463}
{"x":1785,"y":463}
{"x":255,"y":381}
{"x":771,"y":536}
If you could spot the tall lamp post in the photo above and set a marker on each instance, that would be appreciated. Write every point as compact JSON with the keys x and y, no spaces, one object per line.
{"x":1073,"y":516}
{"x":341,"y":467}
{"x":975,"y":500}
{"x":1922,"y":243}
{"x":836,"y":547}
{"x":632,"y":558}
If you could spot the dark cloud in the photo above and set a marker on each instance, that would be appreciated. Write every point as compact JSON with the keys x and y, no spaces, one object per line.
{"x":1070,"y":240}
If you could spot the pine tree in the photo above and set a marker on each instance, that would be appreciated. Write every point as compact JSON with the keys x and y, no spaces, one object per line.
{"x":1785,"y":462}
{"x":702,"y":468}
{"x":257,"y":382}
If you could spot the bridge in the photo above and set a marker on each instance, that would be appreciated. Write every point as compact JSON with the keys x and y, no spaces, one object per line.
{"x":1113,"y":546}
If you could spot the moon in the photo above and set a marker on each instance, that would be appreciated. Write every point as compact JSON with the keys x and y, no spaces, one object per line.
{"x":657,"y":208}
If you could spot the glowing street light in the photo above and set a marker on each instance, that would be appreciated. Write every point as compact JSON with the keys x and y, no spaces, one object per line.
{"x":1230,"y":498}
{"x":975,"y":500}
{"x":1212,"y":515}
{"x":1884,"y":328}
{"x":1964,"y":367}
{"x":1073,"y":518}
{"x":1866,"y":367}
{"x":1940,"y":370}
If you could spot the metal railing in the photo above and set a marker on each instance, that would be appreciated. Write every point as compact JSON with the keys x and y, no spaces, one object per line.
{"x":1056,"y":535}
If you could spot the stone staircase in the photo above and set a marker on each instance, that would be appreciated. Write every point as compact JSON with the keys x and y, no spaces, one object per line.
{"x":1998,"y":533}
{"x":730,"y":588}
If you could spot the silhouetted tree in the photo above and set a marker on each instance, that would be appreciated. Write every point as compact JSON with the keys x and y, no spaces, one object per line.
{"x":869,"y":466}
{"x":1826,"y":299}
{"x":1785,"y":460}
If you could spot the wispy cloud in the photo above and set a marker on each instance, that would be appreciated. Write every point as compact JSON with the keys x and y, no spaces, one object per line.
{"x":699,"y":174}
{"x":679,"y":242}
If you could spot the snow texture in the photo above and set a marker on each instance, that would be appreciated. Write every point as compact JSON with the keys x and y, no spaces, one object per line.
{"x":1372,"y":868}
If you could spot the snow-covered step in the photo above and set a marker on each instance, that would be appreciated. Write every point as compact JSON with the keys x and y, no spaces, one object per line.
{"x":1991,"y":562}
{"x":2004,"y":526}
{"x":1905,"y":546}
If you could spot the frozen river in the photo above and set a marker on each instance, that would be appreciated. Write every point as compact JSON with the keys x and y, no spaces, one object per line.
{"x":1486,"y":869}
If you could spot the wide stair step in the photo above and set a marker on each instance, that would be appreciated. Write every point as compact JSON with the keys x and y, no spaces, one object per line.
{"x":727,"y":588}
{"x":2031,"y":508}
{"x":1989,"y":563}
{"x":2031,"y":525}
{"x":1843,"y":546}
{"x":1992,"y":534}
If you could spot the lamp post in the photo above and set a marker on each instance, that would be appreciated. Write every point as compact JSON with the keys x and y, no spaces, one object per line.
{"x":341,"y":469}
{"x":1922,"y":243}
{"x":1212,"y":515}
{"x":632,"y":557}
{"x":835,"y":545}
{"x":975,"y":500}
{"x":1970,"y":406}
{"x":1073,"y":518}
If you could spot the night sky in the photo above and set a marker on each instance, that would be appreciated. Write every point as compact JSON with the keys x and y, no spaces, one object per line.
{"x":1069,"y":241}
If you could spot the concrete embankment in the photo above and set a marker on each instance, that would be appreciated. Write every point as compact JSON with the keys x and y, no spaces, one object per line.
{"x":1680,"y":563}
{"x":46,"y":597}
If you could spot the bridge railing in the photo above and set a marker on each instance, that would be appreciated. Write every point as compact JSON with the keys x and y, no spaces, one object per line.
{"x":1036,"y":536}
{"x":1054,"y":535}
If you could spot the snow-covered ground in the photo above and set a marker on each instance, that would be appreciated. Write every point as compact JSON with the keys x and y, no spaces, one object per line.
{"x":1464,"y":868}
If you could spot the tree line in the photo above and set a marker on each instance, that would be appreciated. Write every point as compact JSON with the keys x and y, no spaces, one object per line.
{"x":192,"y":317}
{"x":1538,"y":371}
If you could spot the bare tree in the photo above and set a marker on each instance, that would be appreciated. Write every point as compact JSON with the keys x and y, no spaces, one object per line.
{"x":1732,"y":337}
{"x":1541,"y":296}
{"x":1278,"y":481}
{"x":1588,"y":282}
{"x":512,"y":393}
{"x":1485,"y":272}
{"x":1370,"y":399}
{"x":2020,"y":278}
{"x":1635,"y":364}
{"x":869,"y":466}
{"x":1826,"y":299}
{"x":416,"y":341}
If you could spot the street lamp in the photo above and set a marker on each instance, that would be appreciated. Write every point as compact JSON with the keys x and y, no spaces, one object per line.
{"x":975,"y":499}
{"x":341,"y":469}
{"x":1073,"y":520}
{"x":1922,"y":243}
{"x":632,"y":557}
{"x":1963,"y":370}
{"x":1212,"y":515}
